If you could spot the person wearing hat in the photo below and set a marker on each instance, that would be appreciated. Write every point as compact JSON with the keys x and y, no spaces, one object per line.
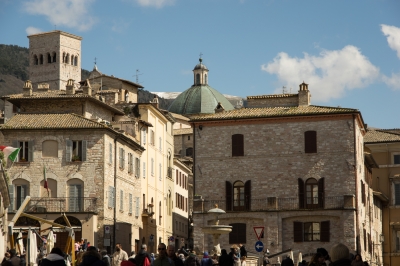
{"x":119,"y":255}
{"x":143,"y":258}
{"x":206,"y":261}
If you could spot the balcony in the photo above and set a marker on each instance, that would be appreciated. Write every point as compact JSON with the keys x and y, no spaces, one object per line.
{"x":274,"y":204}
{"x":67,"y":204}
{"x":169,"y":172}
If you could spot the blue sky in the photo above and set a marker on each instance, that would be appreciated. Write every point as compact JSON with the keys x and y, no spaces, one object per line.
{"x":347,"y":51}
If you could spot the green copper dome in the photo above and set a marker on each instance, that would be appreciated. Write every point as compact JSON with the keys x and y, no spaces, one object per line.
{"x":199,"y":99}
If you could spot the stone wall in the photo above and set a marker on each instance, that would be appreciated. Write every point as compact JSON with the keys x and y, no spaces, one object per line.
{"x":273,"y":101}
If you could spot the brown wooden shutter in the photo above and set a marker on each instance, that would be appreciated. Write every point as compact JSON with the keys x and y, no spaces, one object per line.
{"x":247,"y":195}
{"x":321,"y":189}
{"x":297,"y":231}
{"x":325,"y":234}
{"x":301,"y":193}
{"x":238,"y":233}
{"x":362,"y":192}
{"x":310,"y":141}
{"x":228,"y":195}
{"x":237,"y":145}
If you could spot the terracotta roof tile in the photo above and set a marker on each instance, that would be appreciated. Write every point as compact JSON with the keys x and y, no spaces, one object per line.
{"x":267,"y":112}
{"x":376,"y":136}
{"x":50,"y":121}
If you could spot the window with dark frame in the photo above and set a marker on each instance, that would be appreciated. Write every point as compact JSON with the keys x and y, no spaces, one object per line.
{"x":311,"y":193}
{"x":310,"y":142}
{"x":237,"y":145}
{"x":238,"y":196}
{"x":238,"y":233}
{"x":396,"y":159}
{"x":311,"y":231}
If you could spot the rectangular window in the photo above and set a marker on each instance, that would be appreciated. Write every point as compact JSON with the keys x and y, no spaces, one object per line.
{"x":397,"y":234}
{"x":396,"y":159}
{"x":311,"y":231}
{"x":110,"y":197}
{"x":137,"y":206}
{"x":76,"y":150}
{"x":26,"y":151}
{"x":75,"y":198}
{"x":160,"y":175}
{"x":144,"y":137}
{"x":110,"y":153}
{"x":121,"y":200}
{"x":310,"y":141}
{"x":238,"y":233}
{"x":237,"y":145}
{"x":130,"y":163}
{"x":152,"y":167}
{"x":121,"y":158}
{"x":144,"y":169}
{"x":397,"y":194}
{"x":152,"y":137}
{"x":130,"y":203}
{"x":137,"y":169}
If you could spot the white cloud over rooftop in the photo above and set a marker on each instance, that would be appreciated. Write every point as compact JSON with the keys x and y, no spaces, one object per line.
{"x":68,"y":13}
{"x":155,"y":3}
{"x":330,"y":74}
{"x":392,"y":34}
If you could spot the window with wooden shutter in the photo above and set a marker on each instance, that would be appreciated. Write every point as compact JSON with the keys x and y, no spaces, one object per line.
{"x":312,"y":193}
{"x":237,"y":145}
{"x":160,"y":175}
{"x":121,"y":200}
{"x":120,"y":157}
{"x":137,"y":170}
{"x":397,"y":195}
{"x":130,"y":203}
{"x":68,"y":150}
{"x":110,"y":153}
{"x":238,"y":233}
{"x":144,"y":136}
{"x":129,"y":163}
{"x":301,"y":193}
{"x":12,"y":197}
{"x":111,"y":197}
{"x":247,"y":195}
{"x":123,"y":159}
{"x":144,"y":169}
{"x":75,"y":198}
{"x":362,"y":192}
{"x":325,"y":231}
{"x":228,"y":195}
{"x":137,"y":207}
{"x":321,"y":192}
{"x":84,"y":151}
{"x":30,"y":151}
{"x":297,"y":231}
{"x":152,"y":167}
{"x":310,"y":141}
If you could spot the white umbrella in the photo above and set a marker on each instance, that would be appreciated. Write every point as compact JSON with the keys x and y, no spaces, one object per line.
{"x":291,"y":255}
{"x":20,"y":244}
{"x":300,"y":258}
{"x":32,"y":248}
{"x":50,"y":242}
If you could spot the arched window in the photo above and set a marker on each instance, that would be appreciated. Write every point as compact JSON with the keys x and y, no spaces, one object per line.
{"x":18,"y":191}
{"x":35,"y":60}
{"x":197,"y":79}
{"x":50,"y":149}
{"x":67,"y":59}
{"x":50,"y":192}
{"x":127,"y":97}
{"x":54,"y":57}
{"x":311,"y":193}
{"x":238,"y":196}
{"x":189,"y":152}
{"x":76,"y":61}
{"x":72,"y":59}
{"x":48,"y":58}
{"x":41,"y":59}
{"x":237,"y":145}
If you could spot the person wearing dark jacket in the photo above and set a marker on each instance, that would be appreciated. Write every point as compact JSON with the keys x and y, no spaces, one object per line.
{"x":91,"y":258}
{"x":225,"y":259}
{"x":15,"y":261}
{"x":142,"y":255}
{"x":339,"y":254}
{"x":55,"y":258}
{"x":105,"y":258}
{"x":243,"y":251}
{"x":287,"y":262}
{"x":171,"y":254}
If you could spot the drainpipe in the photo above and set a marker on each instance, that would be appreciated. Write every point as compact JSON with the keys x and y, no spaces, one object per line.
{"x":115,"y":192}
{"x":356,"y":190}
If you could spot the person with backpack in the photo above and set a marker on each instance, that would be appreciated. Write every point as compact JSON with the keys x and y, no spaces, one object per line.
{"x":143,"y":258}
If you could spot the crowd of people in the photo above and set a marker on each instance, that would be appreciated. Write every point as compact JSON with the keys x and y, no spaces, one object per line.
{"x":87,"y":255}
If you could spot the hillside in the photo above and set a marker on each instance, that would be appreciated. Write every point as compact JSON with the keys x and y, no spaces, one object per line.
{"x":14,"y":72}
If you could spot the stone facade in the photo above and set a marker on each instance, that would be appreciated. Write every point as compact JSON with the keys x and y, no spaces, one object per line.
{"x":54,"y":58}
{"x":267,"y":184}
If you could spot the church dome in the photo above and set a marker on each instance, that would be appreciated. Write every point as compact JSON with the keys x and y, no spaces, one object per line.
{"x":199,"y":99}
{"x":200,"y":65}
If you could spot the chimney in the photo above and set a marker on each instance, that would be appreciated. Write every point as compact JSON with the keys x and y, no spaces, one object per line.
{"x":155,"y":101}
{"x":43,"y":87}
{"x":27,"y":89}
{"x":70,"y":88}
{"x":304,"y":95}
{"x":87,"y":89}
{"x":219,"y":108}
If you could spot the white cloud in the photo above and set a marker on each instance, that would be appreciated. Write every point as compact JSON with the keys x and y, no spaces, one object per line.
{"x":393,"y":81}
{"x":68,"y":13}
{"x":32,"y":30}
{"x":330,"y":74}
{"x":155,"y":3}
{"x":393,"y":37}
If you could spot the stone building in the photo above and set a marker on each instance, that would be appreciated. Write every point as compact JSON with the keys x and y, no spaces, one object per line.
{"x":384,"y":146}
{"x":54,"y":58}
{"x":297,"y":170}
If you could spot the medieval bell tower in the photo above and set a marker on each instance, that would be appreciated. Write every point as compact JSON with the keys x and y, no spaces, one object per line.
{"x":54,"y":58}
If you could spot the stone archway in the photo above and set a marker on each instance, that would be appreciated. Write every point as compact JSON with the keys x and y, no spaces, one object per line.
{"x":62,"y":235}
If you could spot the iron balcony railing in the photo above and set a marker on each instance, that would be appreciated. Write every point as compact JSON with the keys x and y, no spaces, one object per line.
{"x":274,"y":204}
{"x":59,"y":204}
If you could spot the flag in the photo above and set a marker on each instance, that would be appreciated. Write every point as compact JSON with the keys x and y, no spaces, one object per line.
{"x":10,"y":152}
{"x":45,"y":185}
